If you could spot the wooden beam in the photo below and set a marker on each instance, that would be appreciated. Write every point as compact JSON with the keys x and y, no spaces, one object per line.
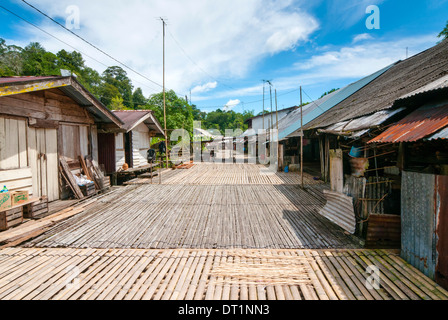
{"x":27,"y":86}
{"x":42,"y":123}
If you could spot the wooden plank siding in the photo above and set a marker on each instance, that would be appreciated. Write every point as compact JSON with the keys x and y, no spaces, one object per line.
{"x":35,"y":128}
{"x":141,"y":141}
{"x":50,"y":104}
{"x":119,"y":149}
{"x":15,"y":172}
{"x":140,"y":144}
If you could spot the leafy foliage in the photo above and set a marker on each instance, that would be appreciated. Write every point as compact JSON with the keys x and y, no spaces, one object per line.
{"x":444,"y":33}
{"x":114,"y":88}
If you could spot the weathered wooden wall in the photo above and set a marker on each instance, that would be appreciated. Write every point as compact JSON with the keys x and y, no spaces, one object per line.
{"x":140,"y":145}
{"x":119,"y":149}
{"x":141,"y":141}
{"x":36,"y":128}
{"x":50,"y":105}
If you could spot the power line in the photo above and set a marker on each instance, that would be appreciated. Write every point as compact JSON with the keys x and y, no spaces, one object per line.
{"x":197,"y":65}
{"x":51,"y":35}
{"x":92,"y":45}
{"x":62,"y":41}
{"x":313,"y":101}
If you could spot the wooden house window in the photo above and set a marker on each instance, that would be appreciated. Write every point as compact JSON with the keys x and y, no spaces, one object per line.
{"x":13,"y":144}
{"x":74,"y":141}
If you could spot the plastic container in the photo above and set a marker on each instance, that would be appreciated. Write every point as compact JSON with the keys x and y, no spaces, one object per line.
{"x":355,"y":152}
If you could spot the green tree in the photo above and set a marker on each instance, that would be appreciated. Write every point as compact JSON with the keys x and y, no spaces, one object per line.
{"x":328,"y":92}
{"x":107,"y":93}
{"x":72,"y":61}
{"x":117,"y":77}
{"x":39,"y":62}
{"x":117,"y":104}
{"x":11,"y":60}
{"x":139,"y":99}
{"x":179,"y":114}
{"x":444,"y":33}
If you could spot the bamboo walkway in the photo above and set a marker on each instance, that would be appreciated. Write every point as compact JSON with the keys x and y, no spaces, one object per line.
{"x":208,"y":233}
{"x":202,"y":217}
{"x":107,"y":274}
{"x":229,"y":174}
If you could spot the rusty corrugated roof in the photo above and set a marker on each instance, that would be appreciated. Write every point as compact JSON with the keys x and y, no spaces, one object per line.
{"x":26,"y":79}
{"x":418,"y":125}
{"x":132,"y":118}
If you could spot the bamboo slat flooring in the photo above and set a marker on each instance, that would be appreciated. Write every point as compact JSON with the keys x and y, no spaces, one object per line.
{"x":202,"y":217}
{"x":189,"y":274}
{"x":229,"y":174}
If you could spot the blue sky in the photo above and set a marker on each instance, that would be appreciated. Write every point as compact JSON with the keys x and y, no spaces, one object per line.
{"x":221,"y":51}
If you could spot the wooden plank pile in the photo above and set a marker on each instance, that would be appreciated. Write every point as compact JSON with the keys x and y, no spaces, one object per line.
{"x":93,"y":173}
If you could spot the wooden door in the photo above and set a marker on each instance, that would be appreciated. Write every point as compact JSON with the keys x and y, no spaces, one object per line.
{"x":128,"y":149}
{"x":106,"y":151}
{"x":43,"y":147}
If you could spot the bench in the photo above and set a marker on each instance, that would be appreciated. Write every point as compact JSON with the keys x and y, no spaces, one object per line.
{"x":14,"y":215}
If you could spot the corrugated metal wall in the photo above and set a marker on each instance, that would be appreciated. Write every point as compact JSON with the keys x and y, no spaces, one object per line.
{"x":424,"y":223}
{"x":442,"y":232}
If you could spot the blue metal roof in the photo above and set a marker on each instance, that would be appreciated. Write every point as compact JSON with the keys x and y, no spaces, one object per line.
{"x":291,"y":123}
{"x":440,"y":135}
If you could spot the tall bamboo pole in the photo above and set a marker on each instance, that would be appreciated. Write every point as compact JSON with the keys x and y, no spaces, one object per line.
{"x":272,"y":114}
{"x":263,"y":104}
{"x":164,"y":96}
{"x":276,"y":121}
{"x":301,"y":137}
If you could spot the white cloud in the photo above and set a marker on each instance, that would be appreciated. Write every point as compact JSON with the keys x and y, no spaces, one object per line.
{"x":227,"y":39}
{"x":362,"y":37}
{"x":345,"y":64}
{"x":231,"y":104}
{"x":205,"y":87}
{"x":344,"y":14}
{"x":361,"y":60}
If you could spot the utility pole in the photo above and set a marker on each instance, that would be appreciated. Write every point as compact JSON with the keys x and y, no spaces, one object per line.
{"x":164,"y":95}
{"x":263,"y":103}
{"x":272,"y":114}
{"x":276,"y":121}
{"x":301,"y":137}
{"x":276,"y":109}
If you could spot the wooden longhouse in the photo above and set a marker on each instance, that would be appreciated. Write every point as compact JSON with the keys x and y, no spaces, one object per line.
{"x":41,"y":120}
{"x":132,"y":145}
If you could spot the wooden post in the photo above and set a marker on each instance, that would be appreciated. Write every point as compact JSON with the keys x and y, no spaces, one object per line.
{"x":301,"y":137}
{"x":280,"y":163}
{"x":272,"y":114}
{"x":263,"y":104}
{"x":164,"y":96}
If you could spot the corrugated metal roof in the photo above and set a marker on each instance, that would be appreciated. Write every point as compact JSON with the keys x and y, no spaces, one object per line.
{"x":418,"y":125}
{"x":357,"y":127}
{"x":132,"y":118}
{"x":291,"y":123}
{"x":440,"y":135}
{"x":441,"y":83}
{"x":339,"y":209}
{"x":403,"y":78}
{"x":269,"y":114}
{"x":26,"y":79}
